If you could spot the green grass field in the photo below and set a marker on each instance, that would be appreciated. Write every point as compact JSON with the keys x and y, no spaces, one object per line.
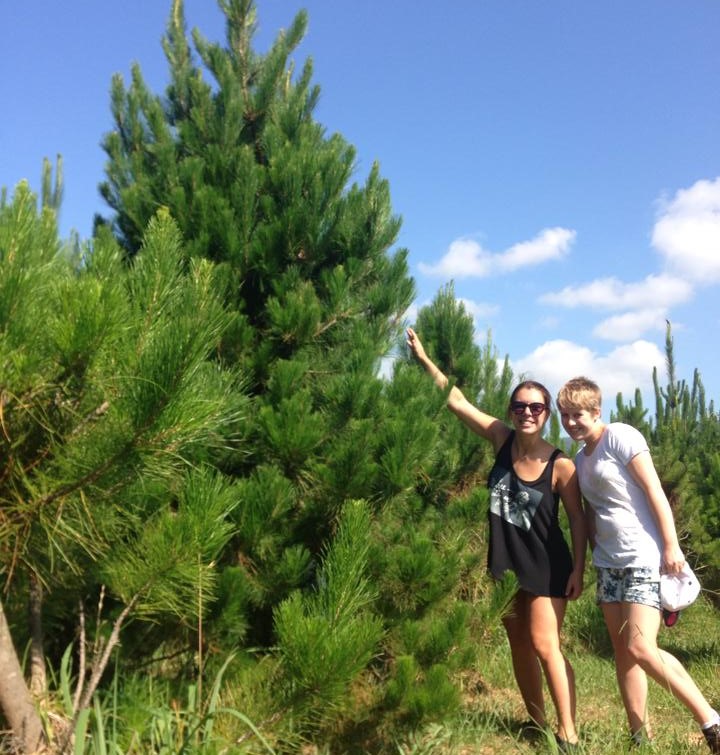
{"x":493,"y":711}
{"x":489,"y":722}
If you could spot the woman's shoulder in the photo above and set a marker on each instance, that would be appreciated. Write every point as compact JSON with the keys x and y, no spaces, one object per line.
{"x":564,"y":465}
{"x":625,"y":439}
{"x":553,"y":452}
{"x":623,"y":432}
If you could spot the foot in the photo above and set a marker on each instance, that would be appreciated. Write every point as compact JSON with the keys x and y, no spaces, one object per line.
{"x":531,"y":730}
{"x":670,"y":617}
{"x":641,"y":739}
{"x":712,"y":737}
{"x":564,"y":745}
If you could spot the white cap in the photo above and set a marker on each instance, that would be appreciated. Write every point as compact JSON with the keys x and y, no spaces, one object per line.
{"x":678,"y":591}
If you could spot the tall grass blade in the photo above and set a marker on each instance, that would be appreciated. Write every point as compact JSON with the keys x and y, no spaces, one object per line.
{"x":81,"y":728}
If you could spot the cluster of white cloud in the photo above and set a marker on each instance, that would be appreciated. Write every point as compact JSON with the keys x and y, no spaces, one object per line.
{"x":466,"y":258}
{"x":687,"y":233}
{"x":686,"y":236}
{"x":644,"y":306}
{"x":620,"y":371}
{"x":613,"y":294}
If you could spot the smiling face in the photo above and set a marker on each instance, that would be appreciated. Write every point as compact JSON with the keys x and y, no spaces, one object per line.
{"x":580,"y":424}
{"x":579,"y":402}
{"x":529,"y":409}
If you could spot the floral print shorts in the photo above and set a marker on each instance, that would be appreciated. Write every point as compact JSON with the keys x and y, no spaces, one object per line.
{"x":628,"y":585}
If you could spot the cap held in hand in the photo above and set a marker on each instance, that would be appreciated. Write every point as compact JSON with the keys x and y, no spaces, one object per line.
{"x":679,"y":590}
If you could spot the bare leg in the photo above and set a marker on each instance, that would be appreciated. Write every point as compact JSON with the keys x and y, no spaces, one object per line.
{"x":546,"y":618}
{"x":643,"y":623}
{"x":526,"y":666}
{"x":631,"y":678}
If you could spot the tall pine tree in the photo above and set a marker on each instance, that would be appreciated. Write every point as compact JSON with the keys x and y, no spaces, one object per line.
{"x":258,"y":188}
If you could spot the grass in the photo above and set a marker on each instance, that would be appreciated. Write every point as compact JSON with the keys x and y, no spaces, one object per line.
{"x":493,"y":712}
{"x":488,"y":723}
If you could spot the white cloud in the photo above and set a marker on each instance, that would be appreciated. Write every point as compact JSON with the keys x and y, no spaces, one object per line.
{"x":622,"y":370}
{"x":613,"y":294}
{"x":479,"y":310}
{"x":631,"y":325}
{"x":466,"y":258}
{"x":687,"y":232}
{"x":549,"y":244}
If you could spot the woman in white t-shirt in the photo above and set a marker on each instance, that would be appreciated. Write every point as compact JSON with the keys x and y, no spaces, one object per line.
{"x":633,"y":538}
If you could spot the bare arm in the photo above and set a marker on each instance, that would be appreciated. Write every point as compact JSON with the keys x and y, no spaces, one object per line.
{"x":483,"y":424}
{"x":569,"y":490}
{"x":589,"y":523}
{"x":643,"y":470}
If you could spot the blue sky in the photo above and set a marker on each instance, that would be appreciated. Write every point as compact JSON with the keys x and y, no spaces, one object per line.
{"x":559,"y":161}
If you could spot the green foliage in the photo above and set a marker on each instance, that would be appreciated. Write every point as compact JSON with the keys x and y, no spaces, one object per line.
{"x":170,"y":562}
{"x":163,"y":726}
{"x":194,"y":427}
{"x":685,"y":443}
{"x":416,"y":696}
{"x":448,"y":335}
{"x":325,"y":638}
{"x":438,"y":638}
{"x":256,"y":186}
{"x":111,"y":414}
{"x":301,"y":256}
{"x":632,"y":414}
{"x":416,"y":567}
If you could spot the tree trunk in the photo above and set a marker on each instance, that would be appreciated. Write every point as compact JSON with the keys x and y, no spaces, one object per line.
{"x":15,"y":699}
{"x":38,"y":675}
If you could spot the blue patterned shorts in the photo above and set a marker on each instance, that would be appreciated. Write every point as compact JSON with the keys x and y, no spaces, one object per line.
{"x":628,"y":586}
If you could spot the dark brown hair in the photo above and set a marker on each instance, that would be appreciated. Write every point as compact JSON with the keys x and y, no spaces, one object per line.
{"x":533,"y":384}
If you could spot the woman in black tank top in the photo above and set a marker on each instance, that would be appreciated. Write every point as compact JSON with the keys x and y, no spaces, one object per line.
{"x":529,"y":479}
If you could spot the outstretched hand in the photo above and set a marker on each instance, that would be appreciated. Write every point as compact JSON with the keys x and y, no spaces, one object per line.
{"x":415,"y":344}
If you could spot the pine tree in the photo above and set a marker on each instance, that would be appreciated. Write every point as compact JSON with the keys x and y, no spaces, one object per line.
{"x":259,"y":190}
{"x":111,"y":416}
{"x":256,"y":186}
{"x":448,"y":333}
{"x":632,"y":413}
{"x":685,"y":442}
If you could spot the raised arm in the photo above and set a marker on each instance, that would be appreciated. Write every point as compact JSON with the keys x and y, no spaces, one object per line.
{"x":483,"y":424}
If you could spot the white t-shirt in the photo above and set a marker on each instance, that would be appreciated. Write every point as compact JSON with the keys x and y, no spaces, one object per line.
{"x":626,"y":533}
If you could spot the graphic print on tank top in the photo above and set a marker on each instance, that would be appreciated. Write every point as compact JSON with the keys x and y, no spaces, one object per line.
{"x":512,"y":501}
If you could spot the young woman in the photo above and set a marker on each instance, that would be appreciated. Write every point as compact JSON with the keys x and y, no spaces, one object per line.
{"x":529,"y":478}
{"x":633,"y":537}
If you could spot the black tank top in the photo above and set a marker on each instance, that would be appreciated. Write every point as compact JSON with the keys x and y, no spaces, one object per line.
{"x":525,"y":535}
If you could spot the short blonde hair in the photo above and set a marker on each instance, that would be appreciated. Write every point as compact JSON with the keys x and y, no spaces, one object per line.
{"x":580,"y":393}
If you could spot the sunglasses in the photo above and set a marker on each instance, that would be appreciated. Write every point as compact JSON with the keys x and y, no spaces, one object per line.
{"x":519,"y":407}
